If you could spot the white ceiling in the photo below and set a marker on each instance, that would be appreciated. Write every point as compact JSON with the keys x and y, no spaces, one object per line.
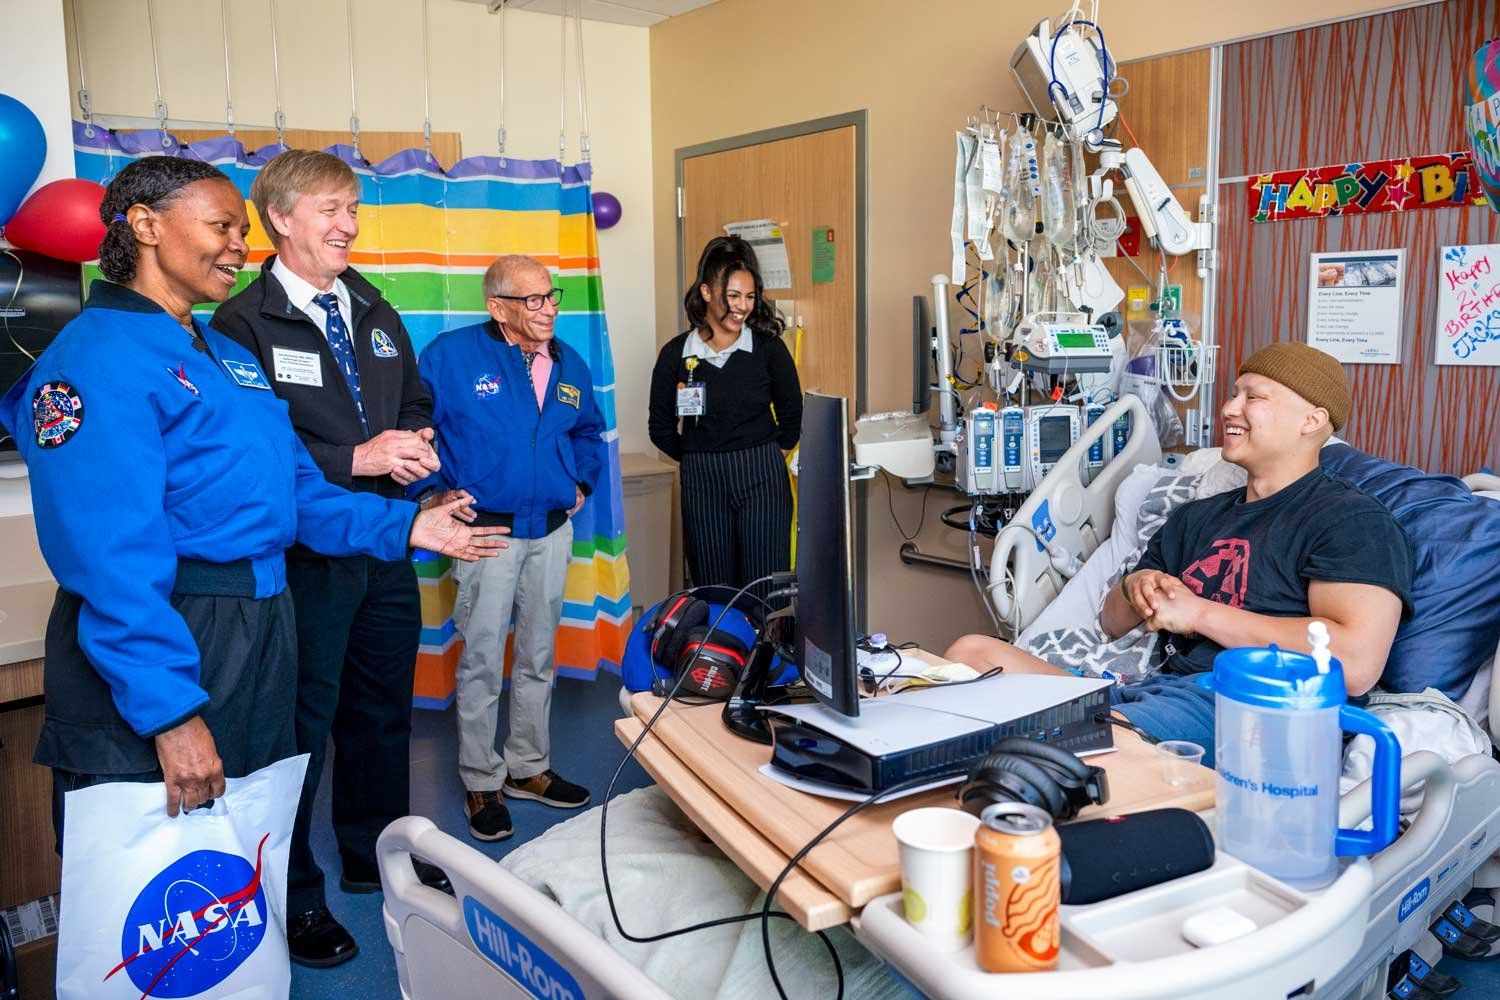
{"x":642,"y":13}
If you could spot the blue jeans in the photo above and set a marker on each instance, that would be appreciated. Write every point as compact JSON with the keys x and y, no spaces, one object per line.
{"x":1169,"y":707}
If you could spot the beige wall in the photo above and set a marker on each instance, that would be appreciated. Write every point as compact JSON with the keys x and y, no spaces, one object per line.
{"x":919,"y":68}
{"x":465,"y":82}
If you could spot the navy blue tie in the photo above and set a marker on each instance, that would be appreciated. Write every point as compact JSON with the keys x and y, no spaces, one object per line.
{"x":343,"y":350}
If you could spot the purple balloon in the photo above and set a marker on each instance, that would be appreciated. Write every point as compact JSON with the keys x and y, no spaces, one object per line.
{"x":607,"y":209}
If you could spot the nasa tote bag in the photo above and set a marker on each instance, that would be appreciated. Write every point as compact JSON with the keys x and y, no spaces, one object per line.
{"x":194,"y":906}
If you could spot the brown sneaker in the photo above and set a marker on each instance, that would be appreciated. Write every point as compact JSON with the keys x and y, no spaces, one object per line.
{"x":548,"y":788}
{"x":488,"y":817}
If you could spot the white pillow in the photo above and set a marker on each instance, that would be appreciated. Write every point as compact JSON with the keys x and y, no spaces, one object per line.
{"x":1083,"y":596}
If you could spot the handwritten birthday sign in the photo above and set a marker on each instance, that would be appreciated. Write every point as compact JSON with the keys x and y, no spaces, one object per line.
{"x":1441,"y":180}
{"x":1468,"y":324}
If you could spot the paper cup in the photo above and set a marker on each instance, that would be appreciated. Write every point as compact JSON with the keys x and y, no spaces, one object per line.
{"x":937,"y":849}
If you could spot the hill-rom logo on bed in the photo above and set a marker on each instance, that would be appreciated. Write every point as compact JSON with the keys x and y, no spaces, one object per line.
{"x":516,"y":955}
{"x":1413,"y":900}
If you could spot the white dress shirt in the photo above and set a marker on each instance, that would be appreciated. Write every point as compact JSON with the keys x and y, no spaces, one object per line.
{"x":300,"y":293}
{"x":696,"y":347}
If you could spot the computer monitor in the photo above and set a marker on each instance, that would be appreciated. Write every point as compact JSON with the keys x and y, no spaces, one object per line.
{"x":921,"y":355}
{"x":38,"y":297}
{"x":824,"y":634}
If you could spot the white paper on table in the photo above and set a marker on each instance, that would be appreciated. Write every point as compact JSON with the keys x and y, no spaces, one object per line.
{"x":770,"y":250}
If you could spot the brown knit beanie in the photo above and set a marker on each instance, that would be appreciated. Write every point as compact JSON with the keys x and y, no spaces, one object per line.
{"x":1315,"y":376}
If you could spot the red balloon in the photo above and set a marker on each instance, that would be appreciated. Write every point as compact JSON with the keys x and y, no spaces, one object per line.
{"x":60,"y":220}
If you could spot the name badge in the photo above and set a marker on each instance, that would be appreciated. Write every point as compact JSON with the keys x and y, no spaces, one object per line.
{"x":246,"y":374}
{"x":692,"y":399}
{"x":568,"y":394}
{"x":297,"y":367}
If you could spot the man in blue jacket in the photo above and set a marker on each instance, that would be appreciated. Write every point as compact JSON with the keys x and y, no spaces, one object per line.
{"x":518,"y":429}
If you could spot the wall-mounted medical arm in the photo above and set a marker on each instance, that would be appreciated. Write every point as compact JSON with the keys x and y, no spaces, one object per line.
{"x":1162,"y":218}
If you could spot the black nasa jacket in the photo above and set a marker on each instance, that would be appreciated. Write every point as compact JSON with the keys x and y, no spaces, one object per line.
{"x":262,"y":318}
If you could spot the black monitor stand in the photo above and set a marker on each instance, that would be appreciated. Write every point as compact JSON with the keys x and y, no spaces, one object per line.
{"x":742,"y":712}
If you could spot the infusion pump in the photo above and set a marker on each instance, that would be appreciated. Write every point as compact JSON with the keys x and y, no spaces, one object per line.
{"x":1011,"y":449}
{"x":1061,"y":348}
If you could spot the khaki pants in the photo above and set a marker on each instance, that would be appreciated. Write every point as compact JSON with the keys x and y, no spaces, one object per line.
{"x":528,"y":579}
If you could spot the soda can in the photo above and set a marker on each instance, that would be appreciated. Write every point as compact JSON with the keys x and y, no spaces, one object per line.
{"x":1017,"y":890}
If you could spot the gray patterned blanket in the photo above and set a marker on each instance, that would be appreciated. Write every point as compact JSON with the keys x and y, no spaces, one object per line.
{"x":1135,"y":655}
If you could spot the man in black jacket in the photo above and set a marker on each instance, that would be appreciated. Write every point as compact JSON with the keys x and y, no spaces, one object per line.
{"x":339,"y":355}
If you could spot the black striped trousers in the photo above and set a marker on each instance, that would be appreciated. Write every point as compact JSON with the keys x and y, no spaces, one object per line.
{"x":736,"y":515}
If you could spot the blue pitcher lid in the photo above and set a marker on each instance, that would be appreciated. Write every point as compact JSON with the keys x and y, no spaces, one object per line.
{"x":1277,"y":678}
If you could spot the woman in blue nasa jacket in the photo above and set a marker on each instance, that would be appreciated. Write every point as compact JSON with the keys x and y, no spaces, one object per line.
{"x":166,"y":481}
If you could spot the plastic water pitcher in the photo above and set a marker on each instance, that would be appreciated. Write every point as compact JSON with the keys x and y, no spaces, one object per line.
{"x":1278,"y":753}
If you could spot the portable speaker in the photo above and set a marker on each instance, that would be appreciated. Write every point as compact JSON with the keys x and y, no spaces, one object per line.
{"x":1105,"y":858}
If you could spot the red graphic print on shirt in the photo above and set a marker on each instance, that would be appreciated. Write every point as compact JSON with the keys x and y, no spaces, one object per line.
{"x":1224,"y":574}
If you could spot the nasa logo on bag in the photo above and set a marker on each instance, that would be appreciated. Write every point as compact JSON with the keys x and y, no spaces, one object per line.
{"x":194,"y":924}
{"x":381,"y":341}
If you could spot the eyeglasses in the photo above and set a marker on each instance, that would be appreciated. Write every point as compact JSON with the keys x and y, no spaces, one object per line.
{"x":534,"y":302}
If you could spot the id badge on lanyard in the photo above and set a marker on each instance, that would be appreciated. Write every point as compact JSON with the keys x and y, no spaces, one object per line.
{"x":692,"y":396}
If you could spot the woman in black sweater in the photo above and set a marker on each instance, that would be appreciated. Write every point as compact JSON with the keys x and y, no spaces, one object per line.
{"x":726,"y":403}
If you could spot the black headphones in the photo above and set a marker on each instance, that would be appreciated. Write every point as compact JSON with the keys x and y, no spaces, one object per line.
{"x":1020,"y":769}
{"x":680,"y":635}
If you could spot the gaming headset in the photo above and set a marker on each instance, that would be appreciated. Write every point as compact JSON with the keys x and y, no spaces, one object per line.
{"x":680,"y":635}
{"x":1019,"y":769}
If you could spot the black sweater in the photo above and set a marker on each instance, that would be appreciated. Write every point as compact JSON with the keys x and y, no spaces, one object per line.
{"x":739,"y":398}
{"x":261,"y":318}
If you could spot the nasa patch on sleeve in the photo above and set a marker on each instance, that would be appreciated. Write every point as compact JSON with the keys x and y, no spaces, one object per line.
{"x":56,"y":414}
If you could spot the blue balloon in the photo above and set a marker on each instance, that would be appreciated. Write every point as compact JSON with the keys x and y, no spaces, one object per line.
{"x":607,"y":209}
{"x":23,"y":149}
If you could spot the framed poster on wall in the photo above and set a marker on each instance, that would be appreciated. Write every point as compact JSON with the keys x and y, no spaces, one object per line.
{"x":1468,"y":310}
{"x":1354,"y":305}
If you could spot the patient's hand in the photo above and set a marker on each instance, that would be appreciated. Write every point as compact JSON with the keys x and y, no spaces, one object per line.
{"x":1144,"y":589}
{"x":1176,"y":609}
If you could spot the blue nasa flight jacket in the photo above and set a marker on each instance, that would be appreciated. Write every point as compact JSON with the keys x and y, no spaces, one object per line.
{"x":492,"y":439}
{"x":142,"y":450}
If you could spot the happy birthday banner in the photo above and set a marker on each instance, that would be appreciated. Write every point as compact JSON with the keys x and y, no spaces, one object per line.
{"x":1439,"y":180}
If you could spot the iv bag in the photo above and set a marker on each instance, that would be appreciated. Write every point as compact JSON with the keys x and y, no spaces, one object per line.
{"x":999,"y":302}
{"x":1059,"y":215}
{"x":1021,"y":183}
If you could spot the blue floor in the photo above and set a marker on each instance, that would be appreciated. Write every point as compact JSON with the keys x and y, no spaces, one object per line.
{"x":584,"y":749}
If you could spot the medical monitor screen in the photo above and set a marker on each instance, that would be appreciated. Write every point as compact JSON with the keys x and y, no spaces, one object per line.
{"x":1070,"y":340}
{"x":825,"y":575}
{"x":1054,"y":436}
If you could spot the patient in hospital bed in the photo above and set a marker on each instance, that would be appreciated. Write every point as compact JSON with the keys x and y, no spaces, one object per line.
{"x":1254,"y":565}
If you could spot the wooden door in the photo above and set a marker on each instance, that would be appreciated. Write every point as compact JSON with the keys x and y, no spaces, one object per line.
{"x":804,"y":183}
{"x":1167,"y":113}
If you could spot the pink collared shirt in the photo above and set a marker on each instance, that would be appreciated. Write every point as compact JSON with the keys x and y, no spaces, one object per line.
{"x":541,"y":369}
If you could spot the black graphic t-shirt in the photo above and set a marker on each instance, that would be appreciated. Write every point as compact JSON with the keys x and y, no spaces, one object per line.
{"x":1261,"y":556}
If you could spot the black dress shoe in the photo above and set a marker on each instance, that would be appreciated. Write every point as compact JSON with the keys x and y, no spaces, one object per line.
{"x":317,"y":940}
{"x":358,"y":882}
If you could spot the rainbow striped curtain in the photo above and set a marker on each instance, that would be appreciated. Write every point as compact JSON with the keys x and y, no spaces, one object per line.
{"x":426,"y":237}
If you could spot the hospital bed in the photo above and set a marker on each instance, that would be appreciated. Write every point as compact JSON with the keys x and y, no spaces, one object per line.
{"x":1337,"y":942}
{"x":1449,"y":844}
